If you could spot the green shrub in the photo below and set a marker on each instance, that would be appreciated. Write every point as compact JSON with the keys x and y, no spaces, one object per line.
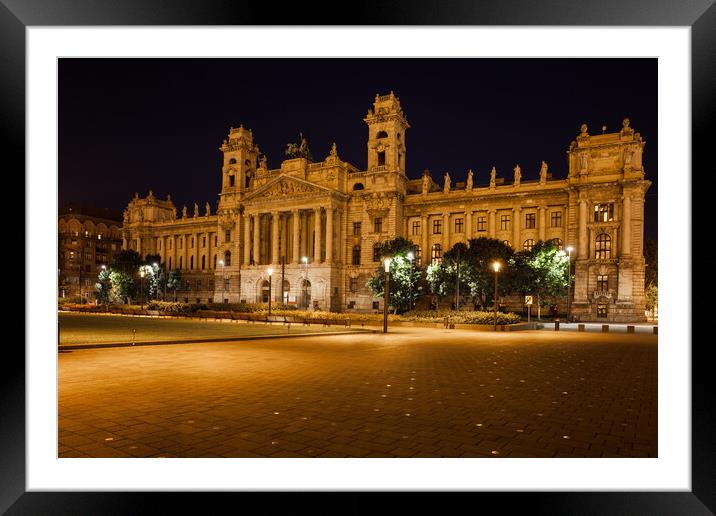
{"x":460,"y":317}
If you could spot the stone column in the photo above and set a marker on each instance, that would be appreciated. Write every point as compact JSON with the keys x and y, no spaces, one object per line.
{"x":491,"y":223}
{"x":209,"y":261}
{"x":340,"y":239}
{"x":329,"y":234}
{"x":425,"y":246}
{"x":626,"y":227}
{"x":317,"y":244}
{"x":295,"y":220}
{"x":257,"y":238}
{"x":516,"y":214}
{"x":468,"y":225}
{"x":542,"y":222}
{"x":247,"y":238}
{"x":582,"y":236}
{"x":446,"y":232}
{"x":274,"y":238}
{"x":185,"y":237}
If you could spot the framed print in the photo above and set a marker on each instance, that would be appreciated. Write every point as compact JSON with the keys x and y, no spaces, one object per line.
{"x":258,"y":291}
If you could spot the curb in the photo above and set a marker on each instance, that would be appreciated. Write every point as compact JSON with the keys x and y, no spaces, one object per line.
{"x":72,"y":347}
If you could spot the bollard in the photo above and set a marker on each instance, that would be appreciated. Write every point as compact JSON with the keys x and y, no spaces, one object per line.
{"x":630,"y":329}
{"x":134,"y":334}
{"x":580,"y":327}
{"x":605,"y":328}
{"x":655,"y":327}
{"x":556,"y":325}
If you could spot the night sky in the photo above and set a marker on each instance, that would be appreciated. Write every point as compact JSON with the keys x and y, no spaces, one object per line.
{"x":131,"y":125}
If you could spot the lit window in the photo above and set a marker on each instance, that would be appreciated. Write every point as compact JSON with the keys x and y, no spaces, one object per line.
{"x":504,"y":222}
{"x":528,"y":245}
{"x":604,"y":212}
{"x":603,"y":247}
{"x":416,"y":227}
{"x":437,"y":227}
{"x":530,"y":221}
{"x":436,"y":254}
{"x":458,"y":225}
{"x":602,"y":283}
{"x":556,"y":219}
{"x":558,"y":242}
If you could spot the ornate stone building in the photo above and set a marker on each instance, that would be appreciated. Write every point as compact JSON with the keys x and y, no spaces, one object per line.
{"x":325,"y":220}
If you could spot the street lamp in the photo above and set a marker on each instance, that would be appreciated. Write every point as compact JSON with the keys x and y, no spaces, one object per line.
{"x":141,"y":287}
{"x":569,"y":278}
{"x":223,"y":280}
{"x":410,"y":278}
{"x":305,"y":280}
{"x":155,"y":272}
{"x":386,"y":294}
{"x":496,"y":267}
{"x":270,"y":273}
{"x":104,"y":268}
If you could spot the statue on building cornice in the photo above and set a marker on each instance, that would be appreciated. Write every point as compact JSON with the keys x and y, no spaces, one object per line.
{"x":196,"y":210}
{"x":493,"y":177}
{"x":207,"y":207}
{"x":126,"y":216}
{"x":169,"y":198}
{"x":583,"y":130}
{"x":263,"y":162}
{"x":446,"y":185}
{"x":469,"y":180}
{"x":543,"y":173}
{"x":334,"y":151}
{"x":300,"y":149}
{"x":626,"y":130}
{"x":518,"y":174}
{"x":627,"y":157}
{"x":584,"y":161}
{"x":150,"y":195}
{"x":426,"y":182}
{"x":183,"y":212}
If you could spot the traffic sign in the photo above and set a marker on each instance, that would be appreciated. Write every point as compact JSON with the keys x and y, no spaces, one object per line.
{"x":528,"y":300}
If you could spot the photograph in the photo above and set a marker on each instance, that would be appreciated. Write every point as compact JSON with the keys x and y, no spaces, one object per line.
{"x":358,"y":257}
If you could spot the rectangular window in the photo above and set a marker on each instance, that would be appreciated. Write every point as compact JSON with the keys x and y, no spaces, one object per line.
{"x":504,"y":222}
{"x":356,"y":229}
{"x":227,"y":284}
{"x":458,"y":225}
{"x":602,"y":311}
{"x":482,"y":223}
{"x":181,"y":243}
{"x":530,"y":221}
{"x":604,"y":212}
{"x":203,"y":241}
{"x":376,"y":305}
{"x":416,"y":227}
{"x":437,"y":227}
{"x":227,"y":236}
{"x":353,"y":285}
{"x":556,"y":219}
{"x":192,"y":243}
{"x":378,"y":225}
{"x":602,"y":283}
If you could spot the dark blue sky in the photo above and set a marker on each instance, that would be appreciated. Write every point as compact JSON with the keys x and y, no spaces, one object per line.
{"x":130,"y":125}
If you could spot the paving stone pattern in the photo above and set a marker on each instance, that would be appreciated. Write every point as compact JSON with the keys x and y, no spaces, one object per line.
{"x":411,"y":393}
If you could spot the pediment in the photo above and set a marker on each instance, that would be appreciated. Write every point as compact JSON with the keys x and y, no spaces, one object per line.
{"x":287,"y":187}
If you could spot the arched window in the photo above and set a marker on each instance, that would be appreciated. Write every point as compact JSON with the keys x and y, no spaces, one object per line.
{"x":506,"y":242}
{"x":227,"y":258}
{"x":603,"y":247}
{"x":358,"y":186}
{"x":381,"y":134}
{"x":528,"y":245}
{"x":377,"y":252}
{"x":558,"y":242}
{"x":203,"y":261}
{"x":356,"y":255}
{"x":436,"y":255}
{"x":232,"y":161}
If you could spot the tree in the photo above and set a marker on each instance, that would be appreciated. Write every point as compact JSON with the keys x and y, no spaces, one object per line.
{"x":174,"y":281}
{"x":404,"y":276}
{"x":123,"y":273}
{"x":541,"y":271}
{"x":477,"y":277}
{"x":103,"y":287}
{"x":652,"y":298}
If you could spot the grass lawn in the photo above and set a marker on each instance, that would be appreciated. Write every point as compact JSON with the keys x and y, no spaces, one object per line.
{"x":97,"y":329}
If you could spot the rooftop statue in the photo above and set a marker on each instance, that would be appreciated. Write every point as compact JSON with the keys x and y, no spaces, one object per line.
{"x":469,"y":180}
{"x":543,"y":173}
{"x":300,"y":149}
{"x":446,"y":187}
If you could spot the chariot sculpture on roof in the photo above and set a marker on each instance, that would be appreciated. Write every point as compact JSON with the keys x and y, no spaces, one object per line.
{"x":300,"y":149}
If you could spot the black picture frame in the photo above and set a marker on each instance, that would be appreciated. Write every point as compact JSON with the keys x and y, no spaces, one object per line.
{"x":17,"y":15}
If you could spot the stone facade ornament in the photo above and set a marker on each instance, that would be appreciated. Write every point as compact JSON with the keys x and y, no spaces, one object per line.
{"x":469,"y":180}
{"x":543,"y":173}
{"x":518,"y":175}
{"x":446,"y":186}
{"x":493,"y":177}
{"x":284,"y":188}
{"x":584,"y":161}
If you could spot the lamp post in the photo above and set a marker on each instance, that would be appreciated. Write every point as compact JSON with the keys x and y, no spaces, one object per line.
{"x":270,"y":273}
{"x":104,"y":268}
{"x":156,"y":274}
{"x":223,"y":280}
{"x":496,"y":267}
{"x":386,"y":294}
{"x":141,"y":287}
{"x":305,"y":279}
{"x":569,"y":278}
{"x":410,"y":278}
{"x":457,"y":281}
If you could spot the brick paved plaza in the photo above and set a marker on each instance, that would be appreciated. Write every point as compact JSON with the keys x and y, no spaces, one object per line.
{"x":415,"y":392}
